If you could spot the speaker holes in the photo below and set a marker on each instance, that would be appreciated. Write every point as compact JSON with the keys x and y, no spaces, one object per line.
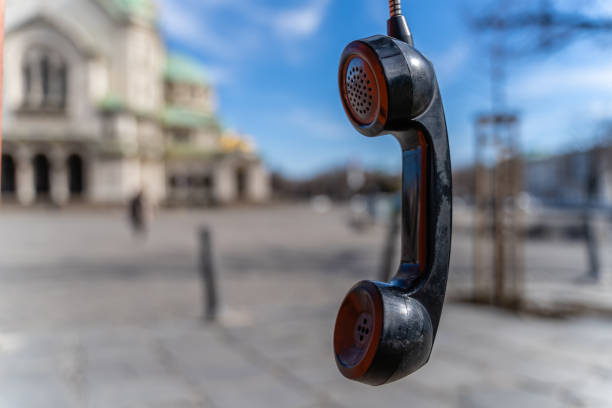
{"x":359,"y":92}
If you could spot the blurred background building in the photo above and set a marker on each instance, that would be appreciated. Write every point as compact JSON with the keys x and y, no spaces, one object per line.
{"x":97,"y":110}
{"x":562,"y":178}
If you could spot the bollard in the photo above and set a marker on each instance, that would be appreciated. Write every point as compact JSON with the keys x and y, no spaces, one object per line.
{"x":1,"y":71}
{"x":207,"y":274}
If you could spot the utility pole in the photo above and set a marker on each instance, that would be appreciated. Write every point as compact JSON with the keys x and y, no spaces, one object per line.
{"x":545,"y":28}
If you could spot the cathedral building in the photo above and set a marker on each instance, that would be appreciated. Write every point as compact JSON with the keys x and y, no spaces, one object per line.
{"x":96,"y":109}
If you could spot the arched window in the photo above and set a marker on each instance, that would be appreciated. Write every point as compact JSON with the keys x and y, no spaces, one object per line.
{"x":45,"y":76}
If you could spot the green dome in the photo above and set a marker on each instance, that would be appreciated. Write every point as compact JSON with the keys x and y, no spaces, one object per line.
{"x":144,"y":9}
{"x":175,"y":116}
{"x":184,"y":69}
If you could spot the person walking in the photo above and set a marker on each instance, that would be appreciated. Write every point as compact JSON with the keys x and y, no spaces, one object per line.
{"x":137,"y":216}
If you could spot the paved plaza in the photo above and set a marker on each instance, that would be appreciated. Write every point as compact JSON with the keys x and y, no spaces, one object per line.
{"x":92,"y":316}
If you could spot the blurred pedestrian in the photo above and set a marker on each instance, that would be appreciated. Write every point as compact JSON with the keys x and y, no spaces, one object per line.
{"x":138,"y":213}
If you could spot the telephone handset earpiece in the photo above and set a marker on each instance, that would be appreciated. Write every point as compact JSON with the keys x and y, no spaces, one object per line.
{"x":385,"y":331}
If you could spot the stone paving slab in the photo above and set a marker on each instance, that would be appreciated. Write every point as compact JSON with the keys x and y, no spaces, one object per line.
{"x":289,"y":364}
{"x":97,"y":319}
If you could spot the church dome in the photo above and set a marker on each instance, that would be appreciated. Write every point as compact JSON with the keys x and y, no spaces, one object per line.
{"x":180,"y":68}
{"x":143,"y":9}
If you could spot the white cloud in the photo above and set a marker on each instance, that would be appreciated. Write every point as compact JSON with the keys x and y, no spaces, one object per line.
{"x":190,"y":20}
{"x":318,"y":125}
{"x":593,"y":8}
{"x":303,"y":21}
{"x":220,"y":75}
{"x":551,"y":81}
{"x":198,"y":25}
{"x":599,"y":109}
{"x":450,"y":63}
{"x":183,"y":22}
{"x":568,"y":91}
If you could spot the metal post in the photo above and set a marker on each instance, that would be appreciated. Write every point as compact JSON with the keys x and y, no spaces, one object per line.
{"x":207,"y":273}
{"x":498,"y":228}
{"x":1,"y":71}
{"x":589,"y":221}
{"x":480,"y":218}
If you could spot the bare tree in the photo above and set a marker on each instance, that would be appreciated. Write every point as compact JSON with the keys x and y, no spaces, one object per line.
{"x":543,"y":26}
{"x":521,"y":28}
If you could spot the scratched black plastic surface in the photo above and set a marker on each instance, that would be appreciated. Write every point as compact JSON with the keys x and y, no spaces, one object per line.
{"x":413,"y":300}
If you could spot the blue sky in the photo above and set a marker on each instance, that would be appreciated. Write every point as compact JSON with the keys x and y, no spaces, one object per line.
{"x":274,"y":65}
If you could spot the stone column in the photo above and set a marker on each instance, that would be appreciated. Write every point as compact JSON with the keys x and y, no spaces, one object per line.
{"x":24,"y":176}
{"x":60,"y":192}
{"x":258,"y":183}
{"x":224,"y":183}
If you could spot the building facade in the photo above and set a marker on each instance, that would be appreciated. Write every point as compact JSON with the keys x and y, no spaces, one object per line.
{"x":96,"y":110}
{"x":573,"y":178}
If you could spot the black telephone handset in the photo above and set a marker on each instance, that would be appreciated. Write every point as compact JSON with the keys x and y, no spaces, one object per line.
{"x":385,"y":331}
